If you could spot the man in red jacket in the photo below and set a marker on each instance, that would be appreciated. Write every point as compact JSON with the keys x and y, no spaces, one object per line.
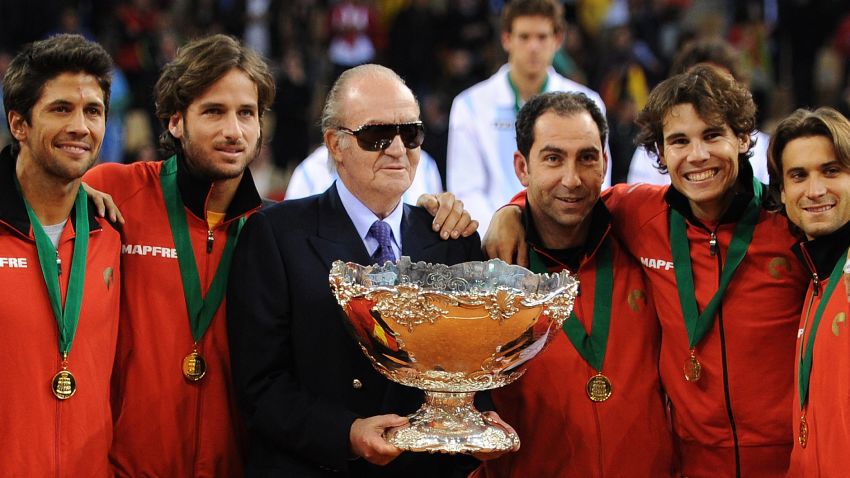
{"x":810,"y":161}
{"x":175,"y":414}
{"x":727,"y":288}
{"x":59,"y":265}
{"x":595,"y":392}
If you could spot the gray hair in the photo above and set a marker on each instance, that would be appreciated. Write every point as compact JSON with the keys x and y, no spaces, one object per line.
{"x":331,"y":115}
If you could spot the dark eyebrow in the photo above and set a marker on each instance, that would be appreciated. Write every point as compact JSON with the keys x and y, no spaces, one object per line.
{"x":63,"y":102}
{"x":590,"y":149}
{"x":551,"y":149}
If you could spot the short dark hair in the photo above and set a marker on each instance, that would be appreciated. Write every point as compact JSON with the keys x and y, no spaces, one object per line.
{"x":43,"y":60}
{"x":198,"y":65}
{"x":714,"y":51}
{"x":560,"y":103}
{"x":804,"y":123}
{"x":718,"y":99}
{"x":551,"y":9}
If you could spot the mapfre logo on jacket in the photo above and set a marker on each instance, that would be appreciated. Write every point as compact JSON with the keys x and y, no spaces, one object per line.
{"x":148,"y":250}
{"x":659,"y":264}
{"x":13,"y":263}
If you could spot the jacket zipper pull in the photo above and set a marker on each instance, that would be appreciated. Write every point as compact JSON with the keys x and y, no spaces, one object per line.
{"x":58,"y":264}
{"x":210,"y":240}
{"x":816,"y":284}
{"x":712,"y":245}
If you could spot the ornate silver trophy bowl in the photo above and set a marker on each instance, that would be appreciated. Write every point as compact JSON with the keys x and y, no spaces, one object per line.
{"x":451,"y":331}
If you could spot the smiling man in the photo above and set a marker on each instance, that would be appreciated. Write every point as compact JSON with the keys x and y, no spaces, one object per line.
{"x":479,"y":161}
{"x":810,"y":161}
{"x":59,"y":280}
{"x":174,"y":408}
{"x":595,"y":391}
{"x":313,"y":404}
{"x":727,"y":288}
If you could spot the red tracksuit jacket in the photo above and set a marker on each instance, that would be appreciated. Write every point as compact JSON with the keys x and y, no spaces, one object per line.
{"x":563,"y":432}
{"x":39,"y":434}
{"x":828,"y":406}
{"x":165,"y":425}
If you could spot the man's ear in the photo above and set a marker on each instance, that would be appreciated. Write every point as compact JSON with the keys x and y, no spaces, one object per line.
{"x":18,"y":125}
{"x":175,"y":125}
{"x":521,"y":168}
{"x":506,"y":38}
{"x":743,"y":143}
{"x":333,"y":142}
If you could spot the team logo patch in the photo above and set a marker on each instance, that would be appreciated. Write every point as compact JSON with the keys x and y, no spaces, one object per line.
{"x":777,"y":265}
{"x":840,"y":318}
{"x":107,"y":277}
{"x":637,"y":299}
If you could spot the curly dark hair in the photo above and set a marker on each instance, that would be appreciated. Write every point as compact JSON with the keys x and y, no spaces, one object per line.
{"x":717,"y":97}
{"x":43,"y":60}
{"x":198,"y":65}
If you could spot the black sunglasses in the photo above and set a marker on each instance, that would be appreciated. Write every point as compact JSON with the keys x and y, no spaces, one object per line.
{"x":378,"y":137}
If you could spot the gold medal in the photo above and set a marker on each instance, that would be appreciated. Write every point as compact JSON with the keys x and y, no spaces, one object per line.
{"x":63,"y":385}
{"x":194,"y":367}
{"x":693,"y":369}
{"x":803,"y":437}
{"x":599,"y":388}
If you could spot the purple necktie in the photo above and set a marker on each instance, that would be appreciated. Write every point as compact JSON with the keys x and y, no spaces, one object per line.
{"x":384,"y":235}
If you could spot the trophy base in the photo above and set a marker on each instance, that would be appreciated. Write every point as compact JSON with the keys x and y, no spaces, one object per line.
{"x":449,"y":423}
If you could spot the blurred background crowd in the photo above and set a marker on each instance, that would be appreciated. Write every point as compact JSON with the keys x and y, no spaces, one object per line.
{"x":792,"y":53}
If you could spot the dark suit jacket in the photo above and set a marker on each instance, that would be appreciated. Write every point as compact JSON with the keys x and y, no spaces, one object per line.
{"x":293,"y":360}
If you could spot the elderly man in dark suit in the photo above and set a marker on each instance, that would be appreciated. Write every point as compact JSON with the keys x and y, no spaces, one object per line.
{"x":313,"y":404}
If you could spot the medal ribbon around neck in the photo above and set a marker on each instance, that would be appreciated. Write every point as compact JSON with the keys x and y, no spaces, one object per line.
{"x":591,"y":347}
{"x":67,"y":317}
{"x":517,"y":99}
{"x":805,"y":370}
{"x":201,"y":309}
{"x":696,"y":323}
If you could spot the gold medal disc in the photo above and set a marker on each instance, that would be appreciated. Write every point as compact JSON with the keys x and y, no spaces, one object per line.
{"x":64,"y":385}
{"x":803,"y":437}
{"x":693,"y":369}
{"x":194,"y":367}
{"x":599,"y":388}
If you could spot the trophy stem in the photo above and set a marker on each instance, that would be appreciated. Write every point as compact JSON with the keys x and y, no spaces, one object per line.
{"x":449,"y":423}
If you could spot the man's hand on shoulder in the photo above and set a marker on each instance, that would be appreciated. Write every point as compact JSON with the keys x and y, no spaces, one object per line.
{"x":450,"y":218}
{"x":106,"y":207}
{"x":367,"y":438}
{"x":505,"y":238}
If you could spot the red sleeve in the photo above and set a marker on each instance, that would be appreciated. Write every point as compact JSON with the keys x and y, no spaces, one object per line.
{"x":519,"y":200}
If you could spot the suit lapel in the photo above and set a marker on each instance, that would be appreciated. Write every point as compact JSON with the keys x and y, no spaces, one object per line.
{"x":336,"y":237}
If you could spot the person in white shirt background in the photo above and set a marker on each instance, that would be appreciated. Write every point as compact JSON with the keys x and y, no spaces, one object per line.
{"x":481,"y":142}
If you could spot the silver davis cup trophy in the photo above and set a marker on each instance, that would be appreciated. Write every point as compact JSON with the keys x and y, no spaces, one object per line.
{"x":451,"y":331}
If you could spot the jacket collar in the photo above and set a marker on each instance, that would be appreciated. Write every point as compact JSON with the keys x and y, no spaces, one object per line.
{"x":743,"y":195}
{"x":12,"y":209}
{"x":824,"y":252}
{"x":600,"y":225}
{"x":195,"y":190}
